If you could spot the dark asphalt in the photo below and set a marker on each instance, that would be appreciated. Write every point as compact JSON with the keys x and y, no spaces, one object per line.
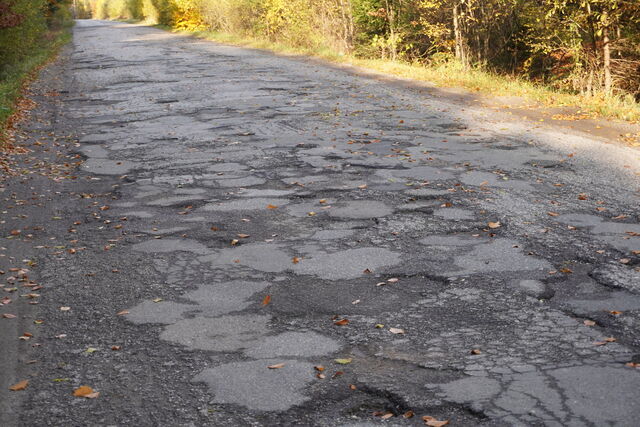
{"x":192,"y":214}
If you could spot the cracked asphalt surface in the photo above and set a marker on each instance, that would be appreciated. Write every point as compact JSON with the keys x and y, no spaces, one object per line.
{"x":217,"y":210}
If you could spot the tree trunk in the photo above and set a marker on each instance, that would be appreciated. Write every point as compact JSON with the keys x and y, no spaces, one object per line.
{"x":606,"y":51}
{"x":461,"y":54}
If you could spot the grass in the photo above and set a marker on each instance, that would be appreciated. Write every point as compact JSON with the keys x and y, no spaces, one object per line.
{"x":14,"y":80}
{"x":451,"y":75}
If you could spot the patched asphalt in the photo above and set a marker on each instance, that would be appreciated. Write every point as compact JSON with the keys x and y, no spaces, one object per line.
{"x":239,"y":238}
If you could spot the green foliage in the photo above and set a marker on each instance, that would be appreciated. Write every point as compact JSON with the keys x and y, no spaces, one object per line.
{"x":29,"y":31}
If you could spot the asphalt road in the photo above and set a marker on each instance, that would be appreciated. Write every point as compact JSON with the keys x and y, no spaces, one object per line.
{"x":192,"y":214}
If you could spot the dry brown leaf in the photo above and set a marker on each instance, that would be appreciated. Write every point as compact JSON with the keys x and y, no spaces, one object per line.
{"x":266,"y":300}
{"x":9,"y":316}
{"x":341,"y":322}
{"x":19,"y":386}
{"x":494,"y":224}
{"x":122,"y":313}
{"x":408,"y":414}
{"x":589,"y":323}
{"x":243,"y":236}
{"x":276,"y":366}
{"x":476,"y":351}
{"x":83,"y":391}
{"x":270,"y":206}
{"x":295,"y":259}
{"x":319,"y":368}
{"x":433,"y":422}
{"x":553,"y":213}
{"x":396,"y":331}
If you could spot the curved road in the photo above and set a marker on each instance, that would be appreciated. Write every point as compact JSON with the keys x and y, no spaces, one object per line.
{"x":252,"y":239}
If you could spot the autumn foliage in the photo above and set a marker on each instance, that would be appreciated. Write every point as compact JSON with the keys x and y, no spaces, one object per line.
{"x":24,"y":24}
{"x":582,"y":46}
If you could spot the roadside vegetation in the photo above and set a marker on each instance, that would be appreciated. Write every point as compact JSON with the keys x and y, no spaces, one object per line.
{"x":31,"y":31}
{"x":582,"y":53}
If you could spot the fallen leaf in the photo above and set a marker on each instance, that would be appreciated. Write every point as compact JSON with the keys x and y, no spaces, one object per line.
{"x":243,"y":236}
{"x":65,"y":308}
{"x":393,"y":280}
{"x":295,"y":259}
{"x":553,"y":213}
{"x":589,"y":323}
{"x":319,"y":368}
{"x":396,"y":330}
{"x":276,"y":366}
{"x":266,"y":300}
{"x":115,"y":347}
{"x":83,"y":391}
{"x":476,"y":351}
{"x":433,"y":422}
{"x":341,"y":322}
{"x":615,"y":312}
{"x":9,"y":316}
{"x":157,"y":300}
{"x":234,"y":242}
{"x":494,"y":224}
{"x":122,"y":313}
{"x":19,"y":386}
{"x":343,"y":361}
{"x":270,"y":206}
{"x":408,"y":414}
